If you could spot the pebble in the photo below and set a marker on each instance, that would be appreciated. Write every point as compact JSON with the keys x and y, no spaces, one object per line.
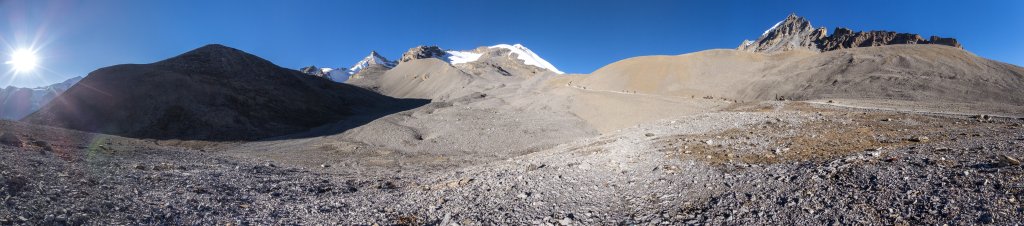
{"x":874,"y":152}
{"x":40,"y":143}
{"x":1006,"y":160}
{"x":756,"y":177}
{"x":919,"y":139}
{"x":565,"y":221}
{"x":983,"y":117}
{"x":986,"y":218}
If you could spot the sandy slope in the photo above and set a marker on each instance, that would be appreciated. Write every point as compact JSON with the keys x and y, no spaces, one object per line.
{"x":900,"y":72}
{"x":425,"y":79}
{"x":609,"y":111}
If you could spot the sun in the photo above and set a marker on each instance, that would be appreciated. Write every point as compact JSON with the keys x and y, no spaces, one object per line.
{"x":23,"y":60}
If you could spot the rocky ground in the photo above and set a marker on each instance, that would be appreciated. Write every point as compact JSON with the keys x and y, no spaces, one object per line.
{"x":792,"y":163}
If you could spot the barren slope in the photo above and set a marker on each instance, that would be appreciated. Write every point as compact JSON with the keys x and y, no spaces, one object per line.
{"x":901,"y":72}
{"x":427,"y":78}
{"x":214,"y":92}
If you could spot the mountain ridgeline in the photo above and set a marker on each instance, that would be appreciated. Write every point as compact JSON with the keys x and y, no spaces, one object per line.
{"x":430,"y":72}
{"x":795,"y":32}
{"x":795,"y":61}
{"x":221,"y":93}
{"x":210,"y":93}
{"x":17,"y":102}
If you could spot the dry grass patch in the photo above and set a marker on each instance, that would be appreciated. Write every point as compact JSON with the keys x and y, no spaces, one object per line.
{"x":822,"y":135}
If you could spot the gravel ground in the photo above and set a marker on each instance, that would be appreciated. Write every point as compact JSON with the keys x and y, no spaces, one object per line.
{"x":773,"y":163}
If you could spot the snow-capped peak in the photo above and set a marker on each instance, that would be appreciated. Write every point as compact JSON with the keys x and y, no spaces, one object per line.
{"x":372,"y":59}
{"x":528,"y":56}
{"x":772,"y":28}
{"x":461,"y":57}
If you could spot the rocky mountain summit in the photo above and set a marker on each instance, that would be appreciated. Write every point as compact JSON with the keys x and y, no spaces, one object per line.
{"x":373,"y":59}
{"x":430,"y":72}
{"x":374,"y":62}
{"x":503,"y":59}
{"x":793,"y":32}
{"x":516,"y":54}
{"x":796,"y":32}
{"x":318,"y":72}
{"x":421,"y":52}
{"x":341,"y":74}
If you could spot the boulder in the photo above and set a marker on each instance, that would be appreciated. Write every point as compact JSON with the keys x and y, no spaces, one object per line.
{"x":10,"y":139}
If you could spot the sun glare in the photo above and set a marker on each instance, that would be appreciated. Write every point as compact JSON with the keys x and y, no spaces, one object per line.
{"x":23,"y":60}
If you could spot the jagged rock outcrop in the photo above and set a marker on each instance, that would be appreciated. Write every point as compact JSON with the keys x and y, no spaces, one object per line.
{"x":312,"y":70}
{"x":421,"y":52}
{"x":795,"y":32}
{"x":844,"y":38}
{"x":332,"y":74}
{"x":945,"y":41}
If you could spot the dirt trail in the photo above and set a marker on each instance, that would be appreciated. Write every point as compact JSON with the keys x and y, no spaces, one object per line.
{"x":918,"y":108}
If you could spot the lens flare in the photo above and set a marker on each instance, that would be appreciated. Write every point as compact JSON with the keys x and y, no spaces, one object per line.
{"x":23,"y":60}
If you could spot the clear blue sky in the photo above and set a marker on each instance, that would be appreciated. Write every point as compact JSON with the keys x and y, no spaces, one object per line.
{"x":76,"y":37}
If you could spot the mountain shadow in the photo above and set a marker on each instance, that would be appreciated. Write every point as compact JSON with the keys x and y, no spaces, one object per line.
{"x":214,"y":93}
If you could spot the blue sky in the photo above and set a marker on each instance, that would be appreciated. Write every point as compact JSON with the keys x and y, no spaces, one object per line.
{"x":76,"y":37}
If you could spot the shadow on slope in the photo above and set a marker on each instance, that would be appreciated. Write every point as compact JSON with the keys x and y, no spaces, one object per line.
{"x":213,"y":93}
{"x":355,"y":121}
